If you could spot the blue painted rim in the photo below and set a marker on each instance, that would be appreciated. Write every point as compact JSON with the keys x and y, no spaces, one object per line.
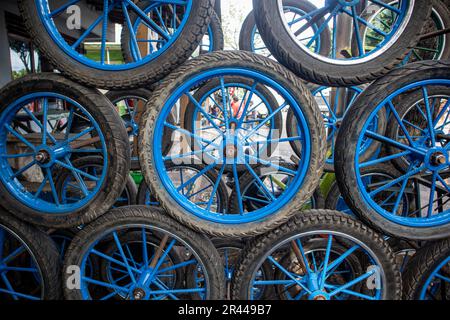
{"x":15,"y":188}
{"x":28,"y":266}
{"x":141,"y":281}
{"x":45,"y":16}
{"x":207,"y":215}
{"x":286,"y":9}
{"x":438,"y":220}
{"x":313,"y":283}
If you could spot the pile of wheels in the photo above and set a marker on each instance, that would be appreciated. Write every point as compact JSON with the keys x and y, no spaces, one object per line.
{"x":235,"y":160}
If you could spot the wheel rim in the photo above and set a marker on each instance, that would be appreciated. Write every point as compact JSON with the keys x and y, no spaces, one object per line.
{"x":320,"y":278}
{"x":436,"y":285}
{"x":257,"y":44}
{"x":49,"y":154}
{"x":18,"y":262}
{"x":144,"y":277}
{"x":233,"y":162}
{"x":430,"y":51}
{"x":332,"y":10}
{"x":422,"y":151}
{"x":48,"y":11}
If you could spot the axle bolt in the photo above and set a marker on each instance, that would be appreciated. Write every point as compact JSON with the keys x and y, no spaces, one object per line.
{"x":138,"y":294}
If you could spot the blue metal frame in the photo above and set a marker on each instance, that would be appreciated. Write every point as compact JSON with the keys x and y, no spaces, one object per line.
{"x":59,"y":153}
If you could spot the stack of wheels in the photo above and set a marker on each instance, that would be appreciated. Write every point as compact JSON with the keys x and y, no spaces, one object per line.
{"x":65,"y":151}
{"x":232,"y":147}
{"x":402,"y":190}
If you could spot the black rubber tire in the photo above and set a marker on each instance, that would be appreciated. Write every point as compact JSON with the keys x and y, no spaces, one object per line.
{"x":245,"y":35}
{"x":422,"y":265}
{"x":113,"y":130}
{"x":246,"y":179}
{"x":151,"y":72}
{"x":154,"y":217}
{"x":315,"y":220}
{"x":348,"y":138}
{"x":130,"y":191}
{"x":43,"y":250}
{"x":403,"y":107}
{"x":216,"y":28}
{"x":308,"y":67}
{"x":240,"y":245}
{"x":257,"y":63}
{"x":117,"y":95}
{"x":57,"y":234}
{"x":141,"y":195}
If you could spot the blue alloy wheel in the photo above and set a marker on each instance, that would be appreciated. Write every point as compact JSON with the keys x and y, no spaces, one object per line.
{"x":416,"y":142}
{"x":29,"y":262}
{"x":226,"y":141}
{"x":368,"y":37}
{"x":143,"y":255}
{"x":428,"y":273}
{"x":46,"y":124}
{"x":117,"y":44}
{"x":320,"y":255}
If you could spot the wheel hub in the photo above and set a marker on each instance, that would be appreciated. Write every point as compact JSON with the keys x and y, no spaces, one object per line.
{"x":139,"y":294}
{"x":319,"y":296}
{"x":437,"y":159}
{"x":230,"y":151}
{"x":42,"y":157}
